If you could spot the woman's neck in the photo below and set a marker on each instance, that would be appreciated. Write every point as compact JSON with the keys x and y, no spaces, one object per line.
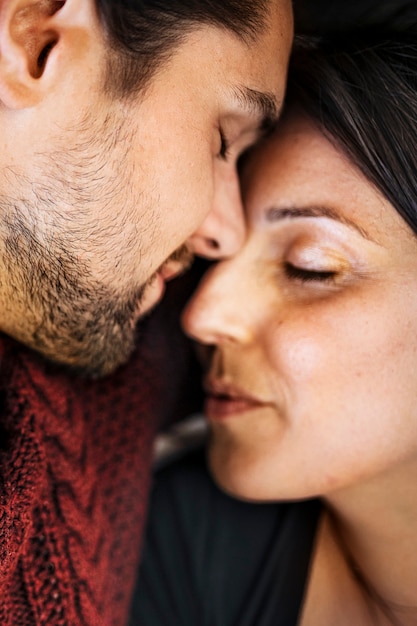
{"x":333,"y":594}
{"x":376,"y":525}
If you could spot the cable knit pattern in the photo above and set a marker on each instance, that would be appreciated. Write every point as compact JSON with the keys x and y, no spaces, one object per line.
{"x":74,"y":475}
{"x":75,"y":459}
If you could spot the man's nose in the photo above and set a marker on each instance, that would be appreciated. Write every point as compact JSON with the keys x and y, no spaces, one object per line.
{"x":223,"y":231}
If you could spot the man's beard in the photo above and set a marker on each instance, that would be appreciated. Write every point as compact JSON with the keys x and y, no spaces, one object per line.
{"x":57,"y":307}
{"x":56,"y":304}
{"x":71,"y":318}
{"x":74,"y":320}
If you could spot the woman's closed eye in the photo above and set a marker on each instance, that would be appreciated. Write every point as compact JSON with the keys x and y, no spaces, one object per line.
{"x":303,"y":274}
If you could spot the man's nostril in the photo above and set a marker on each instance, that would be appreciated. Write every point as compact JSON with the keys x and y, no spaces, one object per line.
{"x":213,"y":244}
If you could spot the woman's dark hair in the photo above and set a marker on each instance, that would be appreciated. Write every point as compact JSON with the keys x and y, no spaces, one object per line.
{"x":360,"y":89}
{"x":144,"y":33}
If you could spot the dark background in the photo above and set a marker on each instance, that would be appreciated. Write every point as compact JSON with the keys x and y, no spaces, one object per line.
{"x":315,"y":16}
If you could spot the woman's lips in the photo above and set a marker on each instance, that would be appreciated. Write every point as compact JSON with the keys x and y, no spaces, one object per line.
{"x":221,"y":407}
{"x":224,"y":401}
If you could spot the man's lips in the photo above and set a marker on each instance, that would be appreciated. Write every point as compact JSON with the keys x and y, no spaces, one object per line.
{"x":179,"y":261}
{"x":225,"y":400}
{"x":170,"y":270}
{"x":177,"y":264}
{"x":156,"y":286}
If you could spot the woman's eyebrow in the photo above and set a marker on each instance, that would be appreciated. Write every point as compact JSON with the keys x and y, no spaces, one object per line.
{"x":275,"y":214}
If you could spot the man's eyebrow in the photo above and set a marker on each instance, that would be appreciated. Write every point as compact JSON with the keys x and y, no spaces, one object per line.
{"x":262,"y":104}
{"x":275,"y":214}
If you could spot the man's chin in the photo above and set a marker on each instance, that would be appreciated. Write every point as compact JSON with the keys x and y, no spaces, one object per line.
{"x":98,"y":367}
{"x":100,"y":356}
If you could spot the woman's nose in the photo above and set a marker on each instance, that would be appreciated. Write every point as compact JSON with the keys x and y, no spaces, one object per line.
{"x":220,"y":310}
{"x":223,"y":232}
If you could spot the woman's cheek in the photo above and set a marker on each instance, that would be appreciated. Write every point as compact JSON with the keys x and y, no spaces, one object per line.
{"x":300,"y":353}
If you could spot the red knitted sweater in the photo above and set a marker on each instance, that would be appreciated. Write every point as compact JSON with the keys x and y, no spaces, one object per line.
{"x":74,"y":475}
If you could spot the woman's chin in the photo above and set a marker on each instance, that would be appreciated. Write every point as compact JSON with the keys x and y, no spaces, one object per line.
{"x":237,"y":476}
{"x":256,"y":476}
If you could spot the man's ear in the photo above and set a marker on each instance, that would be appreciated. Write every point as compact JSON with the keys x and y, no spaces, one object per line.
{"x":37,"y":39}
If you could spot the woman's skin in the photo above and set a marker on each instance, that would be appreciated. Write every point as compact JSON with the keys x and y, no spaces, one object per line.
{"x":311,"y":382}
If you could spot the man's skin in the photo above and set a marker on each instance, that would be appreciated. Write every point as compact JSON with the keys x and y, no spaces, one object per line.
{"x":96,"y":193}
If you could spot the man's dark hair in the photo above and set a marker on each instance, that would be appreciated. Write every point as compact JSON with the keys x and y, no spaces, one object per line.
{"x":144,"y":33}
{"x":360,"y":89}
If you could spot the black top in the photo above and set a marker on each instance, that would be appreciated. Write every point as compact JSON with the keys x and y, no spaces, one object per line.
{"x":210,"y":560}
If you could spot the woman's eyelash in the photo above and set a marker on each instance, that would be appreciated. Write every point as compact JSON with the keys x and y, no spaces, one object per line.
{"x":298,"y":273}
{"x":224,"y":146}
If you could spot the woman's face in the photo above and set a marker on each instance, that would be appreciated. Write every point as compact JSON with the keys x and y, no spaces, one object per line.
{"x":312,"y":379}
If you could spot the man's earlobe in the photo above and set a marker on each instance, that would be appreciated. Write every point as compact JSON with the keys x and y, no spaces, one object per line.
{"x":30,"y":30}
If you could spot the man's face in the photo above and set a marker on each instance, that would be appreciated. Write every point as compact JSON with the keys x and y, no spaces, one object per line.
{"x":97,"y":194}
